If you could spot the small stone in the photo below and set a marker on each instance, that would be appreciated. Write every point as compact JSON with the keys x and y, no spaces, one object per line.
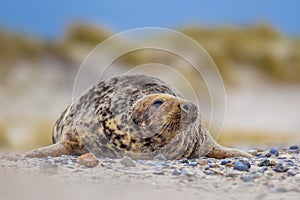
{"x":292,"y":151}
{"x":185,"y":160}
{"x":241,"y":166}
{"x":279,"y":167}
{"x":224,"y":162}
{"x":216,"y":165}
{"x":207,"y":172}
{"x":211,"y":166}
{"x":274,"y":151}
{"x":229,"y":165}
{"x":159,"y":173}
{"x":74,"y":159}
{"x":176,"y":172}
{"x":187,"y":172}
{"x":266,"y":154}
{"x":88,"y":160}
{"x":246,"y":163}
{"x":282,"y":157}
{"x":127,"y":162}
{"x":217,"y":172}
{"x":192,"y":164}
{"x":231,"y":174}
{"x":259,"y":155}
{"x":246,"y":178}
{"x":202,"y":162}
{"x":160,"y":157}
{"x":293,"y":147}
{"x":291,"y":172}
{"x":253,"y":152}
{"x":263,"y":169}
{"x":266,"y":162}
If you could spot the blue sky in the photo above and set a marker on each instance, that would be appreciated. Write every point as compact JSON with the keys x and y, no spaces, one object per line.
{"x":49,"y":19}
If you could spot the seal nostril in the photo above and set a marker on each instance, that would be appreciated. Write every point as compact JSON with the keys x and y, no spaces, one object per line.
{"x":185,"y":107}
{"x":193,"y":107}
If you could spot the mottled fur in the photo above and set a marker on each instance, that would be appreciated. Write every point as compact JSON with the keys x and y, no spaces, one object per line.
{"x":137,"y":116}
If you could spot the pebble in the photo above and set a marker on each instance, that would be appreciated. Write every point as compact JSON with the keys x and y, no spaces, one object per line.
{"x":207,"y":172}
{"x":224,"y":162}
{"x":282,"y":157}
{"x":266,"y":162}
{"x":176,"y":172}
{"x":253,"y":152}
{"x":191,"y":164}
{"x":159,"y":173}
{"x":292,"y":172}
{"x":211,"y":166}
{"x":279,"y":167}
{"x":266,"y":154}
{"x":247,"y":178}
{"x":293,"y":147}
{"x":231,"y":174}
{"x":289,"y":162}
{"x":187,"y":172}
{"x":88,"y":160}
{"x":202,"y":162}
{"x":263,"y":169}
{"x":127,"y":162}
{"x":241,"y":166}
{"x":185,"y":160}
{"x":246,"y":163}
{"x":229,"y":165}
{"x":218,"y":172}
{"x":274,"y":151}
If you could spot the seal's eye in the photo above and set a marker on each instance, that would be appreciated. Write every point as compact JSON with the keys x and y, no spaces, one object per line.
{"x":157,"y":103}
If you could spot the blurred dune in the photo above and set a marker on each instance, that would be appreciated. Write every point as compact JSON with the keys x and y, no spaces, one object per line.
{"x":37,"y":75}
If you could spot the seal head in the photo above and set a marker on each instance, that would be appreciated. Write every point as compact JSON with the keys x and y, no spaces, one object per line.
{"x":159,"y":118}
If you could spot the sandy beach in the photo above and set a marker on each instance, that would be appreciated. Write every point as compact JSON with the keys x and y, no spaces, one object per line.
{"x":269,"y":177}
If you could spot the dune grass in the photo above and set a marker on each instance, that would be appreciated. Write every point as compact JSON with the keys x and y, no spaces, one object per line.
{"x":259,"y":46}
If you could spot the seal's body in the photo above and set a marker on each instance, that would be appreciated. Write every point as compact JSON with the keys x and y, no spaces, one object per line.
{"x":136,"y":116}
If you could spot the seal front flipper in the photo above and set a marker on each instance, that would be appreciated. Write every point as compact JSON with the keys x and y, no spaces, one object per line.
{"x":53,"y":150}
{"x":214,"y":150}
{"x":70,"y":144}
{"x":221,"y":152}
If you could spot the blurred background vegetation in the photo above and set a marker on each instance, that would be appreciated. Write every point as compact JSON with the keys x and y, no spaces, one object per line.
{"x":259,"y":63}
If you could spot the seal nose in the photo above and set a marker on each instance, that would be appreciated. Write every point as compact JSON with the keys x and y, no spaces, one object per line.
{"x":188,"y":107}
{"x":189,"y":112}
